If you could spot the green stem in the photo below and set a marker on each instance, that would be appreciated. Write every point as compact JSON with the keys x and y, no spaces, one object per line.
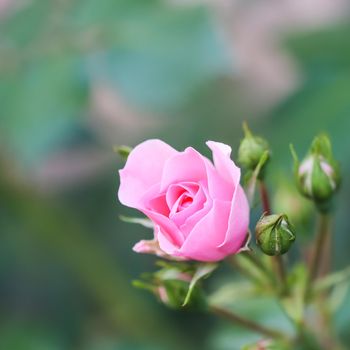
{"x":280,"y":269}
{"x":322,"y":245}
{"x":246,"y":323}
{"x":251,"y":266}
{"x":264,"y":198}
{"x":259,"y":265}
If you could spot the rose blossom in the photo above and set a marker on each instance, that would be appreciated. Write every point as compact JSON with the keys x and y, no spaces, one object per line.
{"x":199,"y":210}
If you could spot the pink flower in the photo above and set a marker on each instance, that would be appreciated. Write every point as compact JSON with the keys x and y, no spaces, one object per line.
{"x":199,"y":210}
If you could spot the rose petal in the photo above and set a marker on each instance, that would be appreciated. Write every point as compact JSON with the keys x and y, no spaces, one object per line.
{"x":148,"y":247}
{"x":197,"y":204}
{"x":175,"y":191}
{"x":208,"y":234}
{"x":184,"y":167}
{"x":146,"y":205}
{"x":193,"y":219}
{"x":239,"y":214}
{"x":223,"y":163}
{"x":238,"y":223}
{"x":218,"y":187}
{"x":142,"y":170}
{"x":165,"y":244}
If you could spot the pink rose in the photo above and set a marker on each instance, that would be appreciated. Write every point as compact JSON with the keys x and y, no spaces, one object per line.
{"x":199,"y":210}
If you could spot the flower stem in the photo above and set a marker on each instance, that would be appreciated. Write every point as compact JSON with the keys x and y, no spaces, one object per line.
{"x":277,"y":260}
{"x":246,"y":323}
{"x":264,"y":198}
{"x":322,"y":245}
{"x":251,"y":266}
{"x":259,"y":265}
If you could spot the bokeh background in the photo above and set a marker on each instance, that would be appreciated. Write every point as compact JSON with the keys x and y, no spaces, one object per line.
{"x":80,"y":76}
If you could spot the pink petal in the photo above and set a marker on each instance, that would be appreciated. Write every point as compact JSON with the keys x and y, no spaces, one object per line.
{"x":196,"y":206}
{"x":239,"y":213}
{"x":208,"y":234}
{"x":184,"y":167}
{"x":238,"y":223}
{"x":165,"y":244}
{"x":142,"y":170}
{"x":147,"y":206}
{"x":148,"y":247}
{"x":223,"y":163}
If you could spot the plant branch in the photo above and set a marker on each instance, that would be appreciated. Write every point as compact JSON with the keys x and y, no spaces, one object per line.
{"x":321,"y":239}
{"x":251,"y":266}
{"x":264,"y":198}
{"x":246,"y":323}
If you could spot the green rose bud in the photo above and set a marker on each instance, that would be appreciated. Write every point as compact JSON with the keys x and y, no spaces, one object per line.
{"x":274,"y":234}
{"x":251,"y":149}
{"x":318,"y":174}
{"x":171,"y":285}
{"x":123,"y":151}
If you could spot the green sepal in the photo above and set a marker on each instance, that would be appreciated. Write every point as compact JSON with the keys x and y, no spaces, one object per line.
{"x":177,"y":284}
{"x":203,"y":270}
{"x":134,"y":220}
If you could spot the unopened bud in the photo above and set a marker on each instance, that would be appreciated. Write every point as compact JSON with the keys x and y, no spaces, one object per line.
{"x":251,"y":149}
{"x":274,"y":234}
{"x":123,"y":151}
{"x":318,"y":174}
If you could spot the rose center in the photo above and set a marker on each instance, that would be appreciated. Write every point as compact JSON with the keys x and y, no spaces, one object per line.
{"x":179,"y":197}
{"x":185,"y":202}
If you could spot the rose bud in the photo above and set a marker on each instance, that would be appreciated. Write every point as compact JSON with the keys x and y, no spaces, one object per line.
{"x":198,"y":208}
{"x":123,"y":151}
{"x":251,"y":149}
{"x":172,"y":293}
{"x":274,"y":234}
{"x":171,"y":285}
{"x":318,"y":175}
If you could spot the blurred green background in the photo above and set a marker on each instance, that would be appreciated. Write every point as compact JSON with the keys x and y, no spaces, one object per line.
{"x":80,"y":76}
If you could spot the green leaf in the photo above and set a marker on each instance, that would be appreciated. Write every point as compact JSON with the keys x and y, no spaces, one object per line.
{"x":202,"y":271}
{"x":332,"y":280}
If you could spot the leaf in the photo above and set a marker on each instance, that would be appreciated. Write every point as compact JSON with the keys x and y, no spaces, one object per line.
{"x":141,"y":221}
{"x":203,"y":271}
{"x":342,"y":316}
{"x":332,"y":280}
{"x":338,"y":296}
